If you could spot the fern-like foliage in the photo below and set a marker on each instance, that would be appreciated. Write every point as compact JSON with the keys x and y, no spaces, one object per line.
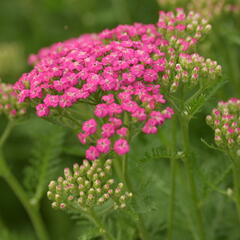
{"x":195,"y":103}
{"x":46,"y":151}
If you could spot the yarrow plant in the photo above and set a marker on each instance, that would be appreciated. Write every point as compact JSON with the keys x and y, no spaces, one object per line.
{"x":225,"y":121}
{"x":119,"y":72}
{"x":187,"y":83}
{"x":124,"y":76}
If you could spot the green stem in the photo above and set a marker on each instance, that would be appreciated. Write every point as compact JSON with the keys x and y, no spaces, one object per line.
{"x":189,"y":169}
{"x":124,"y":176}
{"x":6,"y":173}
{"x":142,"y":228}
{"x":236,"y":179}
{"x":125,"y":168}
{"x":6,"y":133}
{"x":173,"y":183}
{"x":22,"y":196}
{"x":100,"y":225}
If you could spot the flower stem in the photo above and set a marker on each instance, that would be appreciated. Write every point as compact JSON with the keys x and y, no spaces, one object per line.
{"x":236,"y":181}
{"x":6,"y":173}
{"x":236,"y":177}
{"x":22,"y":196}
{"x":6,"y":133}
{"x":189,"y":169}
{"x":100,"y":225}
{"x":125,"y":168}
{"x":173,"y":183}
{"x":124,"y":176}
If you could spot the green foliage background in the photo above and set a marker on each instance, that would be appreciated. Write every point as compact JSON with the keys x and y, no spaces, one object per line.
{"x":28,"y":25}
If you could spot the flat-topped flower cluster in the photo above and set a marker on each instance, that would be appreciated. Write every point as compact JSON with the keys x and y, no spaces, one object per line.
{"x":225,"y":120}
{"x":9,"y":104}
{"x":210,"y":9}
{"x":119,"y":72}
{"x":89,"y":185}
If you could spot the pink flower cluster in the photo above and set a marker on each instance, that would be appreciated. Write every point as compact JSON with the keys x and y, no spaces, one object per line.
{"x":9,"y":104}
{"x":113,"y":134}
{"x":225,"y":120}
{"x":182,"y":66}
{"x":119,"y":71}
{"x":185,"y":29}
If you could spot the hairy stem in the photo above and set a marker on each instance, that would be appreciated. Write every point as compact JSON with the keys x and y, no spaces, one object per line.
{"x":12,"y":181}
{"x":171,"y":211}
{"x":189,"y":169}
{"x":100,"y":225}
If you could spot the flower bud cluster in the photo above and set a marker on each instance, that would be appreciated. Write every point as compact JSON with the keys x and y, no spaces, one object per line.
{"x":9,"y":104}
{"x":210,"y":9}
{"x":181,"y":65}
{"x":190,"y":70}
{"x":225,"y":121}
{"x":232,"y":8}
{"x":183,"y":30}
{"x":87,"y":186}
{"x":214,"y":8}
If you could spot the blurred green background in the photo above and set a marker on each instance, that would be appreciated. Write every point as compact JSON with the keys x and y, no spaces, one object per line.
{"x":28,"y":25}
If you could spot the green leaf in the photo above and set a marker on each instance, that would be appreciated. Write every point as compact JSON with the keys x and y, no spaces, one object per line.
{"x":198,"y":100}
{"x":45,"y":158}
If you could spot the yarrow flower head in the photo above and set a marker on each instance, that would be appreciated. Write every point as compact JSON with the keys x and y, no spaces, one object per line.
{"x":121,"y":73}
{"x":87,"y":186}
{"x":183,"y":66}
{"x":9,"y":104}
{"x":225,"y":121}
{"x":210,"y":9}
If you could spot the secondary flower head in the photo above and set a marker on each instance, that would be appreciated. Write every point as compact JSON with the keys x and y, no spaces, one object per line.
{"x":87,"y":186}
{"x":225,"y":121}
{"x":210,"y":9}
{"x":9,"y":104}
{"x":182,"y":65}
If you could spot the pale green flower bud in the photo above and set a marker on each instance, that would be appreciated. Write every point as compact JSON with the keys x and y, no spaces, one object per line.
{"x":95,"y":186}
{"x":50,"y":195}
{"x":55,"y":205}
